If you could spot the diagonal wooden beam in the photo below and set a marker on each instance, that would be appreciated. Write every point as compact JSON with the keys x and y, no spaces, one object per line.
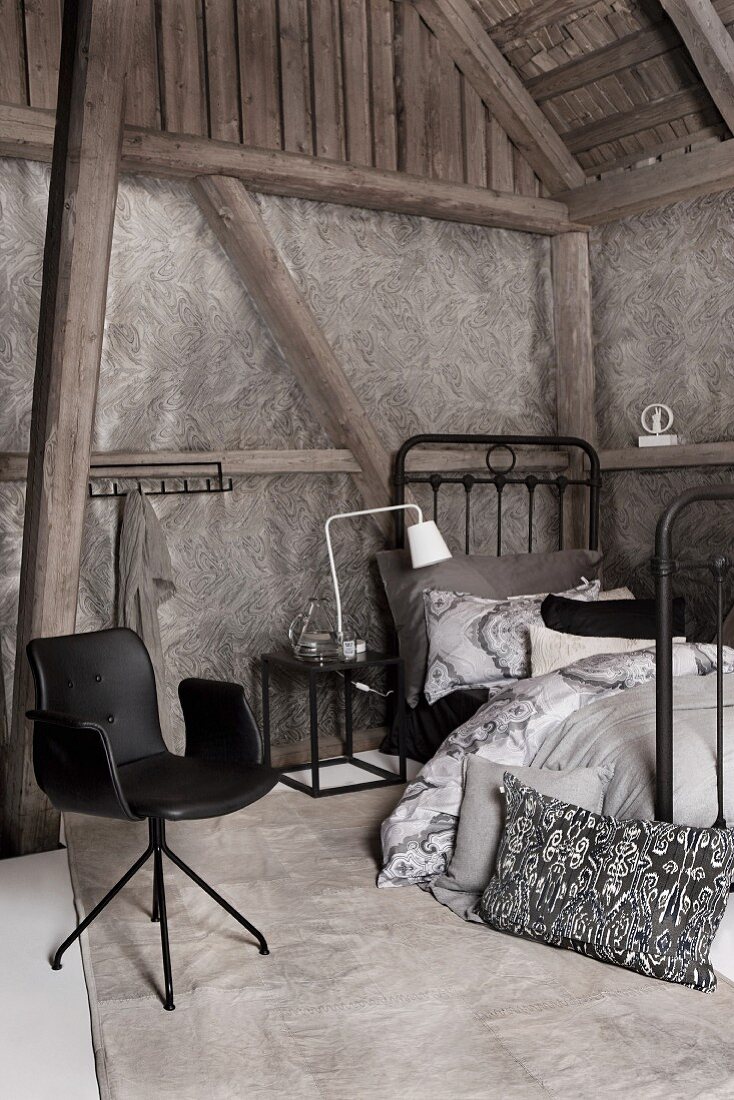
{"x":462,"y":34}
{"x":711,"y":48}
{"x":81,"y":211}
{"x":667,"y":108}
{"x":235,"y":218}
{"x":631,"y":192}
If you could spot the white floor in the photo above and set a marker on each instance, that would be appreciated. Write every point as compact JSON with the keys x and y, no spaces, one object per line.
{"x":45,"y":1037}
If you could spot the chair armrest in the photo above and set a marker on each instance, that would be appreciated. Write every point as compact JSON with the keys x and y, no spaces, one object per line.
{"x":219,"y":723}
{"x":74,"y":766}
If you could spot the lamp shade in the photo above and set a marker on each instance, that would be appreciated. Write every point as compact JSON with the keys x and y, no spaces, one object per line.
{"x":426,"y":543}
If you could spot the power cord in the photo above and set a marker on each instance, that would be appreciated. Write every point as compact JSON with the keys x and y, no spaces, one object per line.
{"x":366,"y":687}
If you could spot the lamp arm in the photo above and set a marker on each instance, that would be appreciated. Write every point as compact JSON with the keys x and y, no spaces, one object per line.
{"x":332,"y":563}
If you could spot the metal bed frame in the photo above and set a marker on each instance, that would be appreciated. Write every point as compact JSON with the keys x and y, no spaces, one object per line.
{"x":664,"y":566}
{"x":500,"y":479}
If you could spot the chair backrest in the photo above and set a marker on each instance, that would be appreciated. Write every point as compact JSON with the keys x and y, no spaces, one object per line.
{"x":105,"y":677}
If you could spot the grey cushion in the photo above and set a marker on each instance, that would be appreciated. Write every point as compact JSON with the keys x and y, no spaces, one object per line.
{"x":477,"y":574}
{"x":482,"y":817}
{"x":645,"y":895}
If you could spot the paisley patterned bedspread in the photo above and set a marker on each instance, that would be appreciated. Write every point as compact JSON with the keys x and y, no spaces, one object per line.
{"x":418,"y":837}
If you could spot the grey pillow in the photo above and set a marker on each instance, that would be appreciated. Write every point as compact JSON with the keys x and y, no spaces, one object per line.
{"x":645,"y":895}
{"x":477,"y":574}
{"x":482,"y":816}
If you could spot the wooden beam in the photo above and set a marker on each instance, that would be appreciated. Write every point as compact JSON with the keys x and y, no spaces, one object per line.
{"x":534,"y":17}
{"x":711,"y":134}
{"x":667,"y":458}
{"x":81,"y":211}
{"x":235,"y":219}
{"x":631,"y":50}
{"x":711,"y":48}
{"x":574,"y":360}
{"x":14,"y":465}
{"x":28,"y":133}
{"x":460,"y":31}
{"x":644,"y":117}
{"x":626,"y":193}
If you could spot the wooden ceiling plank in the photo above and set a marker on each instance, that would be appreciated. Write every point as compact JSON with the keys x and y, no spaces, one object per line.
{"x":183,"y":106}
{"x":630,"y":192}
{"x":534,"y":18}
{"x":43,"y":43}
{"x":295,"y":76}
{"x":355,"y":50}
{"x":142,"y":101}
{"x":328,"y":92}
{"x":640,"y":118}
{"x":461,"y":33}
{"x":235,"y":218}
{"x":81,"y":213}
{"x":711,"y":48}
{"x":223,"y":93}
{"x":382,"y":66}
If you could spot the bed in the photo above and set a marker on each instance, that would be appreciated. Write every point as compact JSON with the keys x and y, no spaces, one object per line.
{"x":603,"y":709}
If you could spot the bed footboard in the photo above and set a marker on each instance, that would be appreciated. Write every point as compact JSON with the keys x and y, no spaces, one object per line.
{"x":664,"y":566}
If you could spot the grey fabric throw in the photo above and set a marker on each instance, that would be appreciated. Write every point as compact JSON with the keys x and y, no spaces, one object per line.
{"x":145,"y":580}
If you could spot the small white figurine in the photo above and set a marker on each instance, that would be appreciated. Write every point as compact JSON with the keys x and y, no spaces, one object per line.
{"x":652,"y":421}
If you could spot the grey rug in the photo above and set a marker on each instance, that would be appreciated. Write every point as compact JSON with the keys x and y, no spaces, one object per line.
{"x":367,"y":993}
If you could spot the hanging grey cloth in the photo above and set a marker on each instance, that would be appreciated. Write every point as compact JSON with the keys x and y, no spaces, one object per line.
{"x":145,"y":580}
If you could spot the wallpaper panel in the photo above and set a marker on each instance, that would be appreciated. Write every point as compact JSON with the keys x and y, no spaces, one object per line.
{"x":663,"y":294}
{"x":440,"y":327}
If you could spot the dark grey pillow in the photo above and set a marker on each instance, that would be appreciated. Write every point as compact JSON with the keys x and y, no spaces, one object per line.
{"x":482,"y":817}
{"x":477,"y":574}
{"x":645,"y":895}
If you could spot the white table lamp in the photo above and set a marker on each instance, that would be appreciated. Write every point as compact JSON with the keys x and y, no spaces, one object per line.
{"x":425,"y":542}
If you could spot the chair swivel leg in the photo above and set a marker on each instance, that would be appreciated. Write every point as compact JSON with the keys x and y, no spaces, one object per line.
{"x":157,"y":831}
{"x":213,"y":894}
{"x":154,"y":909}
{"x":56,"y":964}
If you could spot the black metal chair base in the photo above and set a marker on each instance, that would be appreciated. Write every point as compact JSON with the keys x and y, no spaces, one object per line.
{"x":157,"y":847}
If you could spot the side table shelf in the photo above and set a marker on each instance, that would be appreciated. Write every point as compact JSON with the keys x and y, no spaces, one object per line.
{"x":312,"y":669}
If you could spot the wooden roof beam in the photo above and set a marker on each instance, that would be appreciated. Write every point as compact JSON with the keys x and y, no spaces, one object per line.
{"x":27,"y":132}
{"x":625,"y":193}
{"x":645,"y":117}
{"x":711,"y":48}
{"x":462,"y":34}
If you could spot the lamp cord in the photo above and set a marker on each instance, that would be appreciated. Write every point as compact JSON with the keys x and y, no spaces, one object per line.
{"x":366,"y":687}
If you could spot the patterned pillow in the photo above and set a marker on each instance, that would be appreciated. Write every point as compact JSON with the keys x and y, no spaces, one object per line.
{"x":475,"y":642}
{"x":645,"y":895}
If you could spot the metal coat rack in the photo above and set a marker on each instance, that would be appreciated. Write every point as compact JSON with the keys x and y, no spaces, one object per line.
{"x":214,"y":480}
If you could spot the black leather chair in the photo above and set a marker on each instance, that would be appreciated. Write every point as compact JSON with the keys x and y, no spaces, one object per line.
{"x":98,"y":749}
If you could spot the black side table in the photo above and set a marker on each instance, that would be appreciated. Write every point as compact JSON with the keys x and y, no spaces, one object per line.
{"x":314,"y":669}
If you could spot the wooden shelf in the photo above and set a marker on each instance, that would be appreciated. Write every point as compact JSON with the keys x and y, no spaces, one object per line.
{"x":668,"y":458}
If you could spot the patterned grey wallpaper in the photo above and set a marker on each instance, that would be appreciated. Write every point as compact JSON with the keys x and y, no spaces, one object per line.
{"x":439,"y":327}
{"x":663,"y":286}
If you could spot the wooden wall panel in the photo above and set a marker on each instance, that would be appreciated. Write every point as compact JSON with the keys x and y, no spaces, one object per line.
{"x":382,"y":61}
{"x":361,"y":81}
{"x":257,"y":23}
{"x":12,"y":54}
{"x":181,"y":66}
{"x":222,"y":84}
{"x":326,"y":55}
{"x":295,"y":77}
{"x":355,"y":60}
{"x":43,"y":45}
{"x":142,"y":98}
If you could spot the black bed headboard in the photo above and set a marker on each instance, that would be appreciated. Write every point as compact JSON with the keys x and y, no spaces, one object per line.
{"x":572,"y":472}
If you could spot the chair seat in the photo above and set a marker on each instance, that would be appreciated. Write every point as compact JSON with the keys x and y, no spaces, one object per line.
{"x":184,"y":788}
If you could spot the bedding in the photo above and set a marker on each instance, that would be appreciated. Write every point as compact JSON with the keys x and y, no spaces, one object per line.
{"x":426,"y":726}
{"x":645,"y":895}
{"x":550,"y":649}
{"x":575,"y":717}
{"x":609,"y":618}
{"x":476,"y":642}
{"x":477,"y":574}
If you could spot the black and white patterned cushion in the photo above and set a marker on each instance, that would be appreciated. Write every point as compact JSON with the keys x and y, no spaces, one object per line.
{"x":478,"y":642}
{"x":645,"y":895}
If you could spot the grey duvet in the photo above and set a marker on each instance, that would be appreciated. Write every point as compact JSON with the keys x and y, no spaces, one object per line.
{"x":599,"y":711}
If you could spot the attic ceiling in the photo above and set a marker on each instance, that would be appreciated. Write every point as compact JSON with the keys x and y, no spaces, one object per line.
{"x":613,"y":78}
